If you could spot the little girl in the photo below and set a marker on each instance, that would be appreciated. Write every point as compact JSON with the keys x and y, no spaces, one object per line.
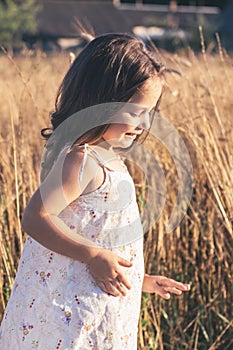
{"x":81,"y":274}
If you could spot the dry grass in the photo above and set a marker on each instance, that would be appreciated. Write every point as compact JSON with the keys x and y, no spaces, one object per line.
{"x":200,"y":250}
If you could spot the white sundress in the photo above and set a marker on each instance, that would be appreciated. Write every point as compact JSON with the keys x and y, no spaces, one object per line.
{"x":55,"y":302}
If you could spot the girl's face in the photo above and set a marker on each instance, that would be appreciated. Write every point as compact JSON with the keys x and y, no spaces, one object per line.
{"x":135,"y":116}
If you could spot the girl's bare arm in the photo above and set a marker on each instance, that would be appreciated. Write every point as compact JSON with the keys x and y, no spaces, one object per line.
{"x":40,"y":220}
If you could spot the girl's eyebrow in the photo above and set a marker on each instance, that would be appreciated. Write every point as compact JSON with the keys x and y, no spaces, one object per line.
{"x":144,"y":110}
{"x":140,"y":108}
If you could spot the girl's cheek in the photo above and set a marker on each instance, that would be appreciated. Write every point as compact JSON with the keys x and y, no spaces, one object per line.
{"x":126,"y":119}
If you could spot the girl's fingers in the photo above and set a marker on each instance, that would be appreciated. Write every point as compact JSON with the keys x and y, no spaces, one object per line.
{"x":166,"y":291}
{"x":102,"y":286}
{"x":181,"y":286}
{"x":120,"y":288}
{"x":109,"y":288}
{"x":170,"y":283}
{"x":124,"y":262}
{"x":173,"y":290}
{"x":163,"y":294}
{"x":123,"y":281}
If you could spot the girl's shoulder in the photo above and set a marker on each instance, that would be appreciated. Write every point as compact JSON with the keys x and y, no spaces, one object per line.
{"x":75,"y":150}
{"x":86,"y":158}
{"x":86,"y":151}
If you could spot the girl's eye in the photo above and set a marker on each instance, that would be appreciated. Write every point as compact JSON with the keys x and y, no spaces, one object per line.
{"x":134,"y":114}
{"x":140,"y":114}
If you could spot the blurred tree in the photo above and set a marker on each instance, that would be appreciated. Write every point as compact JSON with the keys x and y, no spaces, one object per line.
{"x":17,"y":18}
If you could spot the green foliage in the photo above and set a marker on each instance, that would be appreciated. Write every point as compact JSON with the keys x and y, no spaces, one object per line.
{"x":17,"y":19}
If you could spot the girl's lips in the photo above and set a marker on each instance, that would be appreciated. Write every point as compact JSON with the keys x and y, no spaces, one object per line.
{"x":131,"y":135}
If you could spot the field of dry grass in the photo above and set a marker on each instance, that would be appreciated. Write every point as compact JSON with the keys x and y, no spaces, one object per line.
{"x":200,"y":250}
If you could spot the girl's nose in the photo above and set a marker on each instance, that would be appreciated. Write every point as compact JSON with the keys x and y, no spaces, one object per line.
{"x":144,"y":121}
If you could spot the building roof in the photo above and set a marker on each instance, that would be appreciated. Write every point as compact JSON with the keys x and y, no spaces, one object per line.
{"x":160,"y":15}
{"x":57,"y":18}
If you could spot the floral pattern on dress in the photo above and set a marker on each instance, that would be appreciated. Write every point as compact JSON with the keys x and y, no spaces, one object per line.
{"x":56,"y":304}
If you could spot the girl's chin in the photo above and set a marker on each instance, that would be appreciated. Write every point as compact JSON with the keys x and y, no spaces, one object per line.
{"x":124,"y":143}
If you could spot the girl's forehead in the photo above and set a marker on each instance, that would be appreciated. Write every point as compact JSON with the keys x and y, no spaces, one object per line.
{"x":153,"y":83}
{"x":149,"y":93}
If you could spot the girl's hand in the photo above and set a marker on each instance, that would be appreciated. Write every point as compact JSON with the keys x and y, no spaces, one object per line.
{"x":163,"y":286}
{"x":105,"y":268}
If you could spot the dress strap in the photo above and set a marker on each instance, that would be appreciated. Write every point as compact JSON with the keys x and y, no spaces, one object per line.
{"x":83,"y":163}
{"x":88,"y":150}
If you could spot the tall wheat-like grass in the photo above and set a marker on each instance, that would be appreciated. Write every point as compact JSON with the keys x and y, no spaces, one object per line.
{"x":200,"y":249}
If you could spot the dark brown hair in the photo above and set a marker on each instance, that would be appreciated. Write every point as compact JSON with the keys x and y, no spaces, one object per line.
{"x":111,"y":68}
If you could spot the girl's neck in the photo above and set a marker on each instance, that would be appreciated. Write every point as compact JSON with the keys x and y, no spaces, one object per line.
{"x":105,"y":145}
{"x":107,"y":150}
